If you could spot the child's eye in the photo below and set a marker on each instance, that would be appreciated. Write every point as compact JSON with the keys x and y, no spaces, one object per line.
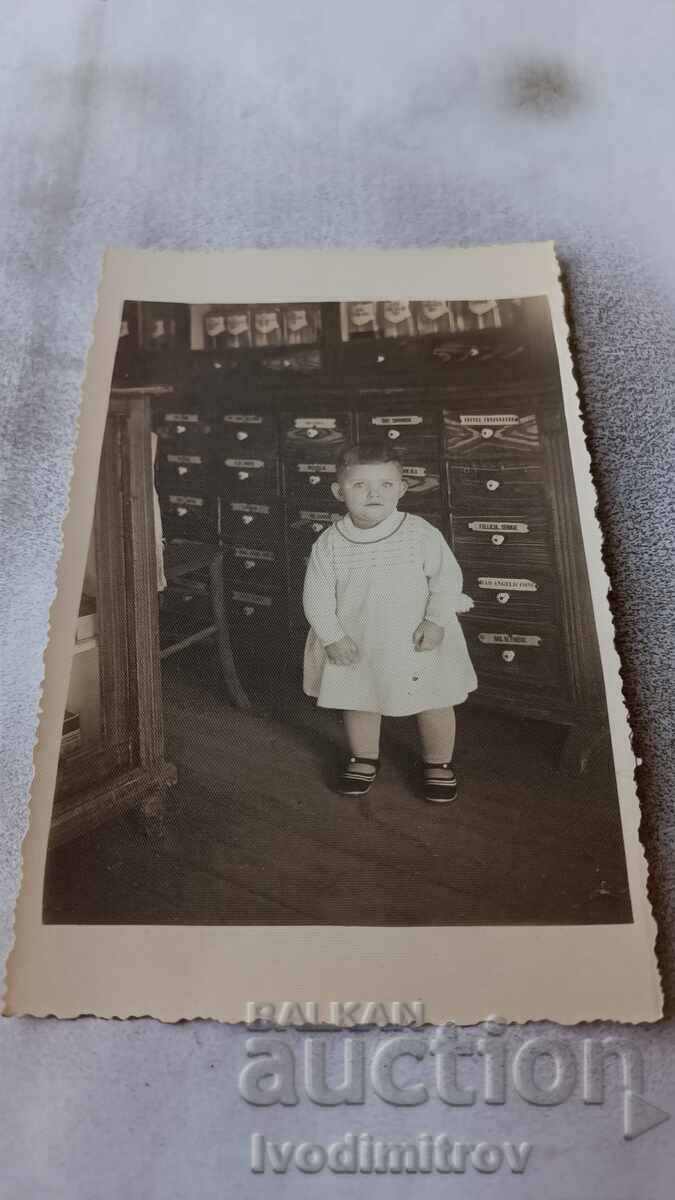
{"x":387,"y":483}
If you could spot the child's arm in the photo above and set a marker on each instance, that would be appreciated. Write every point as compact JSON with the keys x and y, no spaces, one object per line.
{"x":319,"y":597}
{"x":444,"y":576}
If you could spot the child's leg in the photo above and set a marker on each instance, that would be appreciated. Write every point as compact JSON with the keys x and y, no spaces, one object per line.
{"x":437,"y":734}
{"x":363,"y":733}
{"x":363,"y":736}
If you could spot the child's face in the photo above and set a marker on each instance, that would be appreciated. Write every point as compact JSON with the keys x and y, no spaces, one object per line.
{"x":370,"y":491}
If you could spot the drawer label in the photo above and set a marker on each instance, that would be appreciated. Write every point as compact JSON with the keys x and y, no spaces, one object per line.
{"x":249,"y":598}
{"x":243,"y":419}
{"x":261,"y":555}
{"x":243,"y":506}
{"x":415,"y":472}
{"x":495,"y":419}
{"x":412,"y":420}
{"x":185,"y":458}
{"x":497,"y":584}
{"x":316,"y":468}
{"x":498,"y":526}
{"x":509,"y":639}
{"x":253,"y":464}
{"x":308,"y":515}
{"x":315,"y":423}
{"x":184,"y":418}
{"x":195,"y":501}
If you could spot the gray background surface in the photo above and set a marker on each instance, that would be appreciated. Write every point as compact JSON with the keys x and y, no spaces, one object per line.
{"x":364,"y":123}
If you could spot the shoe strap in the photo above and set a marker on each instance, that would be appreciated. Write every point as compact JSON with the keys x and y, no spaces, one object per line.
{"x":370,"y":762}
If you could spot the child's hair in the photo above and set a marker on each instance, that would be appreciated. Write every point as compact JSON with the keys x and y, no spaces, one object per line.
{"x":367,"y":452}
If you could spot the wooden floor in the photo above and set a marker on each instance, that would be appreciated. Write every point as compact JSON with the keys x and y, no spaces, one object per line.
{"x":253,"y":833}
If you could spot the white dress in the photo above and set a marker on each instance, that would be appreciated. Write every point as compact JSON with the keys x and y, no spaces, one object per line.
{"x":376,"y":585}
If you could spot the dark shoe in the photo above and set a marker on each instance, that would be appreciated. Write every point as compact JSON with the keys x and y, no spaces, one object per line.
{"x":440,"y":783}
{"x":356,"y":782}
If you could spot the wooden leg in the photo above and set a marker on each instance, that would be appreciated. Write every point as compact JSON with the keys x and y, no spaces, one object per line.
{"x":578,"y":748}
{"x":233,"y":685}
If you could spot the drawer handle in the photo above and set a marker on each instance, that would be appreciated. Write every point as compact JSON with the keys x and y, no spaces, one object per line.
{"x":312,"y":433}
{"x":492,"y":485}
{"x":317,"y":527}
{"x":241,"y":435}
{"x":181,"y":512}
{"x":380,"y":358}
{"x":486,"y":432}
{"x":314,"y":479}
{"x":508,"y":655}
{"x":249,"y":564}
{"x":248,"y":611}
{"x":497,"y":539}
{"x":180,"y":428}
{"x":242,"y":474}
{"x":393,"y":434}
{"x":182,"y":470}
{"x":247,"y":519}
{"x":503,"y":597}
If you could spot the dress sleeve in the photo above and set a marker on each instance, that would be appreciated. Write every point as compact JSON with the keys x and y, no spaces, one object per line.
{"x":320,"y":595}
{"x":444,"y":576}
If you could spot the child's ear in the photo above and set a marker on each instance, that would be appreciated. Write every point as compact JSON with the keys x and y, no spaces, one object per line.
{"x":337,"y":491}
{"x":404,"y":486}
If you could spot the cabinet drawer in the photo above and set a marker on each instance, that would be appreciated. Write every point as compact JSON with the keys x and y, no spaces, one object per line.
{"x":240,"y":476}
{"x":305,"y":524}
{"x":508,"y":430}
{"x":189,"y":516}
{"x":496,"y":486}
{"x":302,"y":478}
{"x":186,"y":432}
{"x":257,"y":521}
{"x":400,"y":426}
{"x":259,"y":611}
{"x":193,"y":472}
{"x":423,"y":477}
{"x":241,"y":432}
{"x":182,"y":603}
{"x":527,"y":654}
{"x":510,"y":590}
{"x":511,"y":536}
{"x":297,"y":565}
{"x":325,"y":432}
{"x":254,"y":564}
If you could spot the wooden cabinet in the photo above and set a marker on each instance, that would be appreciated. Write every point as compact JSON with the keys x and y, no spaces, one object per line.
{"x":120,"y":762}
{"x":477,"y":416}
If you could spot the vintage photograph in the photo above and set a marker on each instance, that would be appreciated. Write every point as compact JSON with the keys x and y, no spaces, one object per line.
{"x":336,"y":661}
{"x":331,"y":691}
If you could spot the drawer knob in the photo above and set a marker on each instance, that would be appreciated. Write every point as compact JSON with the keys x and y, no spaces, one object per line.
{"x":312,"y":433}
{"x":249,"y":564}
{"x":248,"y":610}
{"x":492,"y":485}
{"x":181,"y":512}
{"x":486,"y":432}
{"x":187,"y":599}
{"x":503,"y":597}
{"x":393,"y":434}
{"x":497,"y":539}
{"x":380,"y":358}
{"x":317,"y":527}
{"x":314,"y":479}
{"x":241,"y":435}
{"x":508,"y":655}
{"x":247,"y":518}
{"x":242,"y":474}
{"x":182,"y":470}
{"x":180,"y":428}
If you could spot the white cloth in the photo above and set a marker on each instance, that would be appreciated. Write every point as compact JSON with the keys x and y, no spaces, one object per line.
{"x":376,"y":586}
{"x":159,"y":536}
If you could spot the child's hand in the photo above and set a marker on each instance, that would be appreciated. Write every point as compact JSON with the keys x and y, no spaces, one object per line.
{"x":428,"y":635}
{"x":343,"y":653}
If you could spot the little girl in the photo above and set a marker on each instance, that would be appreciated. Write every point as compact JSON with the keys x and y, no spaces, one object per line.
{"x":382,"y":593}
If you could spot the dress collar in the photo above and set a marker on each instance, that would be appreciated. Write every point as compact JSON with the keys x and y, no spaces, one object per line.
{"x":378,"y":532}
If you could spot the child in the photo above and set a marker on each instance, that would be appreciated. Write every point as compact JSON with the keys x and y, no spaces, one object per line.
{"x":382,"y":593}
